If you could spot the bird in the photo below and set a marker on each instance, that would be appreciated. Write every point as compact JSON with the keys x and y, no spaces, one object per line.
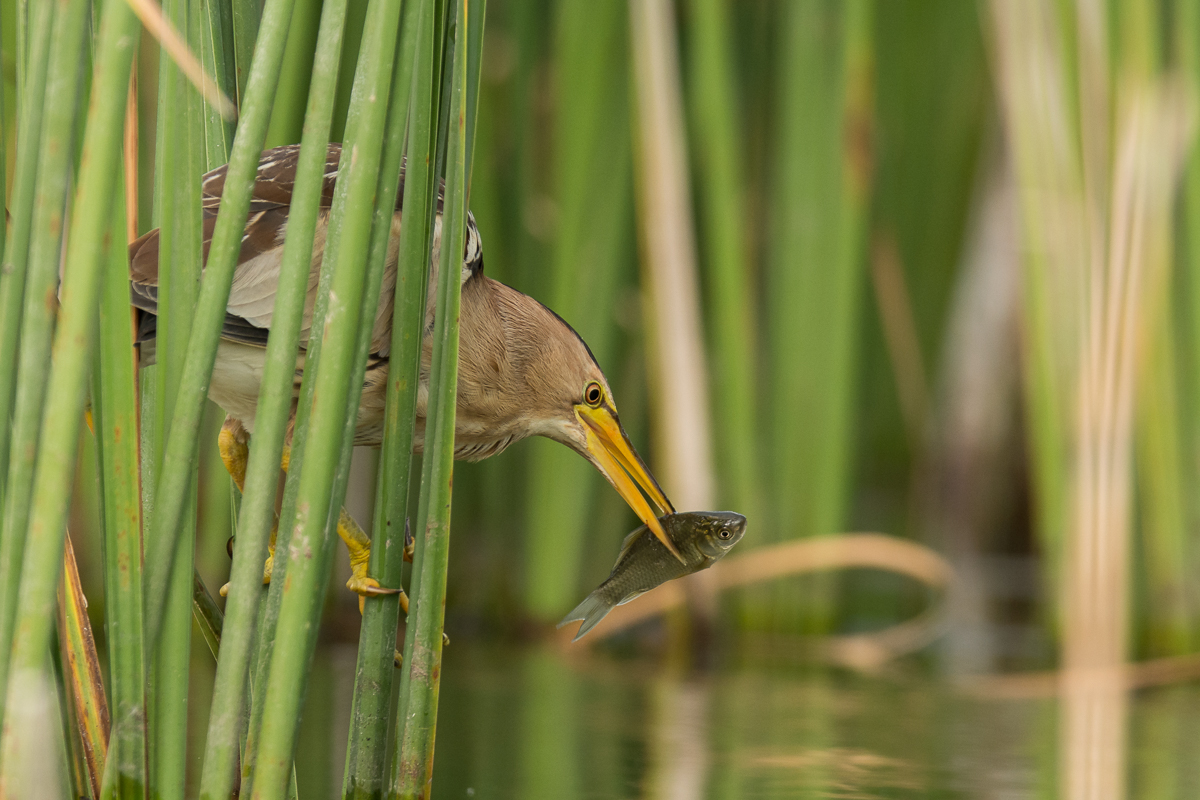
{"x":523,"y":371}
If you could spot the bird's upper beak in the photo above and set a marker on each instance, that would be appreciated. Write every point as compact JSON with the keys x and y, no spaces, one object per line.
{"x":616,"y":459}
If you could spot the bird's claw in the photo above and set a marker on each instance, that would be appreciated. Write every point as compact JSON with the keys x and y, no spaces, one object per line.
{"x":365,"y":587}
{"x":410,"y":544}
{"x":268,"y":566}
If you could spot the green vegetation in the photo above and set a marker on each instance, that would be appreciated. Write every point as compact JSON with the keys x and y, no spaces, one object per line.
{"x":948,"y":259}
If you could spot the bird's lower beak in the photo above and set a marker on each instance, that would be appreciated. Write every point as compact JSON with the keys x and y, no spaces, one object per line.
{"x":616,"y":459}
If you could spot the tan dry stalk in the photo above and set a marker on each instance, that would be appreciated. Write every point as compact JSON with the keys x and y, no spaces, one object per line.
{"x":130,"y":154}
{"x":1152,"y":122}
{"x":680,"y":402}
{"x":81,"y":669}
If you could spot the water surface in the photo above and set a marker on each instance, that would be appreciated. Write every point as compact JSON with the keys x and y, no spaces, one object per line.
{"x":535,"y":723}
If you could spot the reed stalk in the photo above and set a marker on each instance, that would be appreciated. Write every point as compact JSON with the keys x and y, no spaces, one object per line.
{"x":16,"y":254}
{"x":271,"y":417}
{"x":13,"y":273}
{"x":77,"y":319}
{"x":180,"y":451}
{"x":269,"y":612}
{"x":60,"y":95}
{"x":419,"y":686}
{"x":1097,"y":223}
{"x":1187,"y":54}
{"x":1159,"y":427}
{"x":586,"y":265}
{"x":180,"y":153}
{"x":716,"y":138}
{"x":366,"y":749}
{"x":244,"y":21}
{"x":675,"y":342}
{"x":317,"y":511}
{"x":296,"y":83}
{"x":114,"y":406}
{"x":214,"y":43}
{"x":815,"y":273}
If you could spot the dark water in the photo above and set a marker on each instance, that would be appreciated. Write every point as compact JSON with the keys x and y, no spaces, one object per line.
{"x":535,"y":723}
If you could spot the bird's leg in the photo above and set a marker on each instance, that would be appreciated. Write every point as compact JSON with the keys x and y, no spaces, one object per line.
{"x":232,"y":443}
{"x":234,"y":448}
{"x":235,"y":452}
{"x":359,"y":546}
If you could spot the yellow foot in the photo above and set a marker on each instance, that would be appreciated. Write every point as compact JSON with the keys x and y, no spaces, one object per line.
{"x":268,"y":565}
{"x":365,"y":587}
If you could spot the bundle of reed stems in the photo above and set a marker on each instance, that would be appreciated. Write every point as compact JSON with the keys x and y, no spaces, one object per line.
{"x":263,"y":642}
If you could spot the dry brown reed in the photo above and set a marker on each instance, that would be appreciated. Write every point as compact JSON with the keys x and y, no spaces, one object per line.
{"x":679,"y":393}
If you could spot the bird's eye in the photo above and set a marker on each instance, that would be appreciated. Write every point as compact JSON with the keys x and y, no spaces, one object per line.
{"x":593,"y":394}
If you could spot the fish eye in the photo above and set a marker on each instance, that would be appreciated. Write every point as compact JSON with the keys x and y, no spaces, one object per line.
{"x":725,"y":533}
{"x":593,"y":394}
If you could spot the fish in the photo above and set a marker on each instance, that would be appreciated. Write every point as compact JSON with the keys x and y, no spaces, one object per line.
{"x":702,"y":538}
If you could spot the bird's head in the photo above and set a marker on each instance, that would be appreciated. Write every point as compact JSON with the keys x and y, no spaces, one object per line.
{"x":576,"y":407}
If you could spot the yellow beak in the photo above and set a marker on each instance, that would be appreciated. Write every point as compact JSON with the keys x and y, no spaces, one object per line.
{"x":619,"y":462}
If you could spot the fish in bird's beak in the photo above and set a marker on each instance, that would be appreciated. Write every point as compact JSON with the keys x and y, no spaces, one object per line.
{"x":613,"y":454}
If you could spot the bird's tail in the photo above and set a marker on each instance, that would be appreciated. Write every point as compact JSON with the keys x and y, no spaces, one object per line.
{"x":590,"y":611}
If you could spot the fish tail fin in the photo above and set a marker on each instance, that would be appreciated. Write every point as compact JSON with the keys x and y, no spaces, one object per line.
{"x":590,"y":612}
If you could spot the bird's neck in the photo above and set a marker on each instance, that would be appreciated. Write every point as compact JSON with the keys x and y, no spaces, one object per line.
{"x":491,"y":370}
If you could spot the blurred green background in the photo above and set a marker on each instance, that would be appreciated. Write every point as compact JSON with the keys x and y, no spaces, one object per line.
{"x":858,"y":259}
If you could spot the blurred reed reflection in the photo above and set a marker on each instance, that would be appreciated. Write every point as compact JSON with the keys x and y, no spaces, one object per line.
{"x":536,"y":722}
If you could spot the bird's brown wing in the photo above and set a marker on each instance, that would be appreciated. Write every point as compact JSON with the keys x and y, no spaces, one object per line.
{"x":252,"y":294}
{"x":256,"y":276}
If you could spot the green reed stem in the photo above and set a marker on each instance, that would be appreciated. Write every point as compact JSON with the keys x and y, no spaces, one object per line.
{"x":114,"y":397}
{"x":1160,"y":473}
{"x":815,"y":271}
{"x":77,"y":318}
{"x":181,"y":160}
{"x":244,"y":22}
{"x":215,"y":47}
{"x":180,"y":453}
{"x":7,"y":380}
{"x":60,"y":95}
{"x":13,"y":271}
{"x":317,"y":510}
{"x":421,"y":677}
{"x":422,"y":174}
{"x":293,"y":96}
{"x":1187,"y":48}
{"x":366,"y":750}
{"x":271,"y":417}
{"x":718,"y":148}
{"x":590,"y":253}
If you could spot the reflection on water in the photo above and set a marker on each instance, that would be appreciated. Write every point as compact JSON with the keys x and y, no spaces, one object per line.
{"x":535,"y":724}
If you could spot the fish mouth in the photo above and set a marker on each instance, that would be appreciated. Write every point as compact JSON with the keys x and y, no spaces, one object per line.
{"x":610,"y":450}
